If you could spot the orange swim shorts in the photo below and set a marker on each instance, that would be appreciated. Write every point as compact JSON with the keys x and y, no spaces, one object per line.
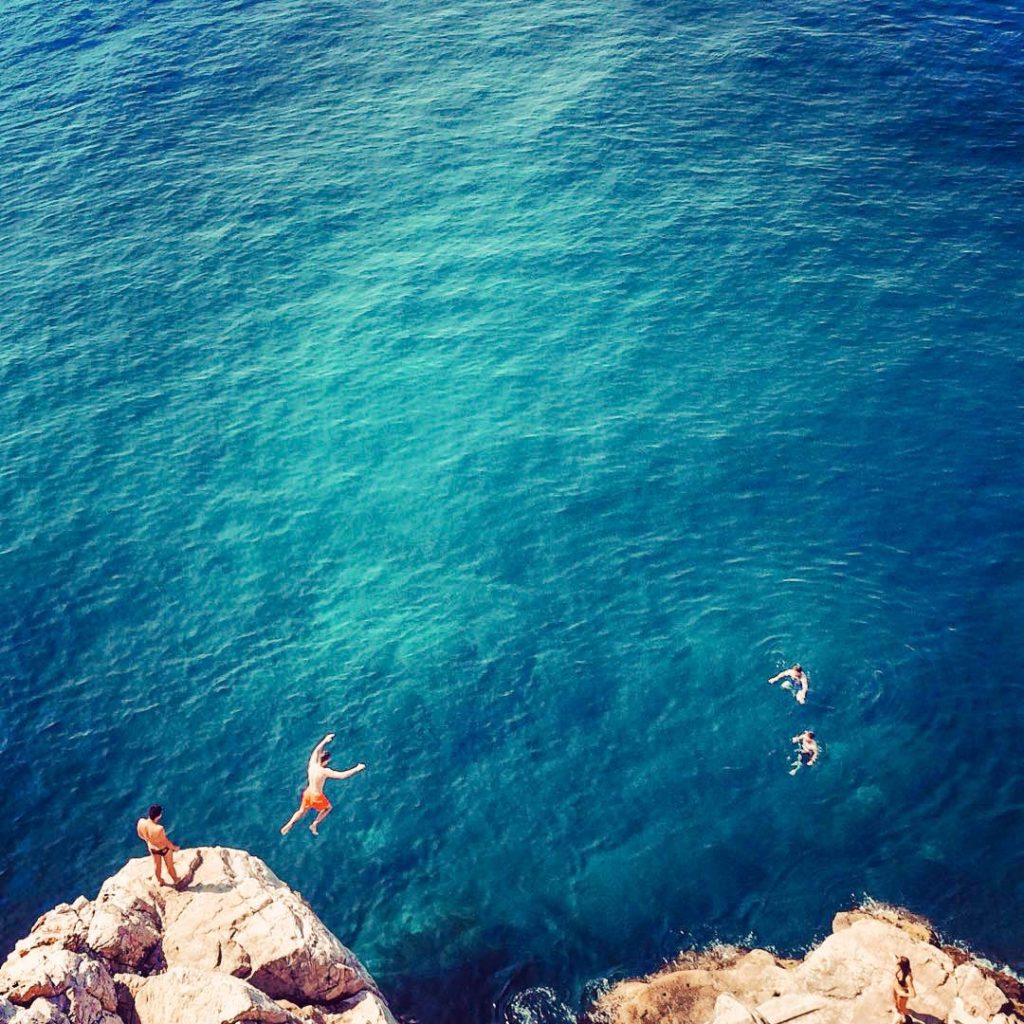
{"x":317,"y":801}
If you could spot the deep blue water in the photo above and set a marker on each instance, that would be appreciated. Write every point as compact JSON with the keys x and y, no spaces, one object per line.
{"x":511,"y":387}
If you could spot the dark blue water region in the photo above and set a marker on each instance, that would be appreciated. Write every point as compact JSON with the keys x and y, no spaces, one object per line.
{"x":511,"y":388}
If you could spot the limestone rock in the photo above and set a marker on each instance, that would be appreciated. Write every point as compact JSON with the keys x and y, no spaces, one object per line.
{"x":864,"y":954}
{"x":235,"y":916}
{"x":126,"y":920}
{"x":847,"y":979}
{"x":365,"y":1008}
{"x":757,"y":976}
{"x":674,"y":997}
{"x":53,"y":971}
{"x":219,"y":949}
{"x":68,"y":982}
{"x":979,"y":996}
{"x":916,"y":927}
{"x":959,"y":1014}
{"x":191,"y":994}
{"x":64,"y":926}
{"x":93,"y":980}
{"x":31,"y":973}
{"x":729,"y":1010}
{"x":126,"y":936}
{"x":41,"y":1011}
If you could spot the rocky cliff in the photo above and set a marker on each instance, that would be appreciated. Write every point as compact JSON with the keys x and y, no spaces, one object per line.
{"x":232,"y":944}
{"x":845,"y":980}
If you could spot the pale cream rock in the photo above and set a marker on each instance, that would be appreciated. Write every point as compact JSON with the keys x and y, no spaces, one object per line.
{"x":959,"y":1014}
{"x":863,"y":956}
{"x":847,"y":979}
{"x":729,"y":1010}
{"x":72,"y":983}
{"x":916,"y":927}
{"x":51,"y":971}
{"x":235,"y":916}
{"x":65,"y":926}
{"x":979,"y":995}
{"x":41,"y":1011}
{"x":91,"y":998}
{"x":365,"y":1008}
{"x":191,"y":994}
{"x":219,"y":950}
{"x":796,"y":1006}
{"x":756,"y":976}
{"x":44,"y":971}
{"x":126,"y":921}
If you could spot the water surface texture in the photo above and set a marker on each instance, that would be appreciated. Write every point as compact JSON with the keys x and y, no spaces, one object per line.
{"x":512,"y":387}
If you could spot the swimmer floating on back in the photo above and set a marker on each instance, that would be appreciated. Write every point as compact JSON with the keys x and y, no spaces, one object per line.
{"x":808,"y":752}
{"x":318,"y":773}
{"x":801,"y":682}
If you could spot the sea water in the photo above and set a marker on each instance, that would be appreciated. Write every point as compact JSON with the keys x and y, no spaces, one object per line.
{"x":511,"y":388}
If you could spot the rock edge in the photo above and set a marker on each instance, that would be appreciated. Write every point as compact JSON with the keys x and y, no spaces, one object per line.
{"x":233,"y":944}
{"x":847,"y":979}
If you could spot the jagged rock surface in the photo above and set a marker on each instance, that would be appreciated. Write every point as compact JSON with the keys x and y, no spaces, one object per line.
{"x":190,"y":993}
{"x":845,"y":980}
{"x":232,"y":944}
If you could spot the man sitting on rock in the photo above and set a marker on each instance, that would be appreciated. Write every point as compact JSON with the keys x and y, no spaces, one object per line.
{"x":313,"y":797}
{"x":152,"y":833}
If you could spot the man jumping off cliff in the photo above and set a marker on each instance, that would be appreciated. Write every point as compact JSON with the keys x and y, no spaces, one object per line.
{"x":313,"y":797}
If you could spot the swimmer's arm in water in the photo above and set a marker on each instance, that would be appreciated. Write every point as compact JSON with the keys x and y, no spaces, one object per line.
{"x":330,"y":773}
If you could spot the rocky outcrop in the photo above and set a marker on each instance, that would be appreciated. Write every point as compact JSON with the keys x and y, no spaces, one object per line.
{"x":232,"y":944}
{"x":845,"y":980}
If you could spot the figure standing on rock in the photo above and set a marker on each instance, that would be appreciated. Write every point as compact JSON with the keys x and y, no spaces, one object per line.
{"x":154,"y":835}
{"x":313,"y":797}
{"x":903,"y":989}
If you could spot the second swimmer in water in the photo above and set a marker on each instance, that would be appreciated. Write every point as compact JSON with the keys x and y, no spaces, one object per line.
{"x":800,"y":684}
{"x":808,"y":752}
{"x":317,"y":774}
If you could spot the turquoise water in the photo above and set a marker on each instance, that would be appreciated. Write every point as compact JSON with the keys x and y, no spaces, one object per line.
{"x":511,"y":388}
